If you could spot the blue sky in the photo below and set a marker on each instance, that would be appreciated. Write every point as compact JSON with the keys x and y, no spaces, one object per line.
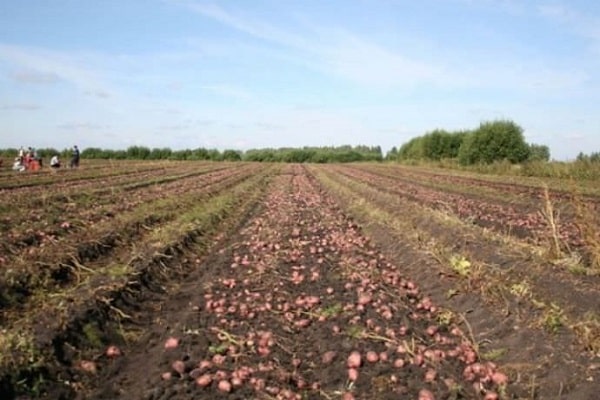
{"x":275,"y":73}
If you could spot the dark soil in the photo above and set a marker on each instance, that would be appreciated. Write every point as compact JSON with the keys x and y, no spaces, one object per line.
{"x":292,"y":281}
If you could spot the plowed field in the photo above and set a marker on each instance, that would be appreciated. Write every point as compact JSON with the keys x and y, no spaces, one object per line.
{"x":254,"y":281}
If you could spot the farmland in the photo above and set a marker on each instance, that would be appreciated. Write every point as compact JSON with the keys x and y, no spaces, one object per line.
{"x":178,"y":280}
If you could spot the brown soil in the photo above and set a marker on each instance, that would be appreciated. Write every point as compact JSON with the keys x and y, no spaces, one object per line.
{"x":542,"y":365}
{"x":296,"y":277}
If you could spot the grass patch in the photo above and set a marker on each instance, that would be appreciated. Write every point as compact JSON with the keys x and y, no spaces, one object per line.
{"x":588,"y":333}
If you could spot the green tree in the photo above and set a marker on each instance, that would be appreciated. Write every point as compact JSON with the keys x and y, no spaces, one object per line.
{"x":538,"y":152}
{"x":231,"y":155}
{"x":496,"y":141}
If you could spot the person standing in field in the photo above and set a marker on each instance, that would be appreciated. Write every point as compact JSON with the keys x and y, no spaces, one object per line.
{"x":75,"y":157}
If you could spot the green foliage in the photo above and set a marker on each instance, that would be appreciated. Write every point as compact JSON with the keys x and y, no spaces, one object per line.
{"x":232,"y":155}
{"x":339,"y":154}
{"x":492,"y":141}
{"x":592,"y":158}
{"x":434,"y":146}
{"x":160,"y":154}
{"x":392,"y":154}
{"x":539,"y":152}
{"x":495,"y":141}
{"x":138,"y":153}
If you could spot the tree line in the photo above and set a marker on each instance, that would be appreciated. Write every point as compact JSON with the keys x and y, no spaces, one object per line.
{"x":499,"y":140}
{"x":492,"y":141}
{"x":337,"y":154}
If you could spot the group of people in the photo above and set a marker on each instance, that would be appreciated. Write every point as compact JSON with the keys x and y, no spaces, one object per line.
{"x":30,"y":160}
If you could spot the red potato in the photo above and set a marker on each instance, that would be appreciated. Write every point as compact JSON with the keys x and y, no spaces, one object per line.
{"x":224,"y":386}
{"x":499,"y":378}
{"x":171,"y":343}
{"x":328,"y":357}
{"x":354,"y":360}
{"x":352,"y":374}
{"x":430,"y":375}
{"x":273,"y":390}
{"x":425,"y":394}
{"x":418,"y":359}
{"x":372,"y":356}
{"x":113,"y":352}
{"x":204,"y":380}
{"x":204,"y":364}
{"x":383,"y":356}
{"x":236,"y":382}
{"x":364,"y":299}
{"x":302,"y":323}
{"x":88,"y":366}
{"x":178,"y":366}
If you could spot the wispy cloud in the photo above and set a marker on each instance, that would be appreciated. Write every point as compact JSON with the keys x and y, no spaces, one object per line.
{"x":20,"y":107}
{"x":252,"y":27}
{"x":586,"y":25}
{"x":335,"y":51}
{"x":89,"y":126}
{"x":269,"y":126}
{"x":175,"y":127}
{"x":102,"y":94}
{"x":230,"y":91}
{"x":35,"y":77}
{"x":575,"y":136}
{"x":39,"y":65}
{"x":340,"y":53}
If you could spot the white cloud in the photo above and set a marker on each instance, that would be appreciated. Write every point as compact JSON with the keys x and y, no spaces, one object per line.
{"x":575,"y":136}
{"x":338,"y":52}
{"x":586,"y":25}
{"x":35,"y":77}
{"x":82,"y":126}
{"x":230,"y":91}
{"x":252,"y":27}
{"x":334,"y":51}
{"x":20,"y":107}
{"x":98,"y":93}
{"x":43,"y":64}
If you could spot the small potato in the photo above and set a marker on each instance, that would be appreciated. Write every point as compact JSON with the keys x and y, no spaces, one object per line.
{"x":352,"y":374}
{"x":224,"y":386}
{"x":328,"y":357}
{"x":425,"y":394}
{"x":113,"y":352}
{"x":499,"y":378}
{"x":178,"y":366}
{"x":372,"y":356}
{"x":171,"y":343}
{"x":354,"y":360}
{"x":204,"y":380}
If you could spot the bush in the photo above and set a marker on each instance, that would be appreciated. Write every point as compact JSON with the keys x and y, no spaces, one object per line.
{"x":495,"y":141}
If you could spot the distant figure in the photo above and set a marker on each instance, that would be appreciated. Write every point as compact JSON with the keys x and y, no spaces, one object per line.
{"x":27,"y":159}
{"x":75,"y":157}
{"x":21,"y":153}
{"x":54,"y":162}
{"x":18,"y":165}
{"x":37,"y":157}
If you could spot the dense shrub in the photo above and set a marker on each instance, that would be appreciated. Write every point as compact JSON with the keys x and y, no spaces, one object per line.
{"x":495,"y":141}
